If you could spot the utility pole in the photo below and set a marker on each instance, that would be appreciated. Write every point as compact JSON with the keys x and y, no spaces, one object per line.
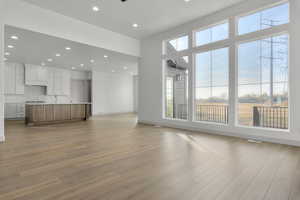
{"x":272,"y":58}
{"x":272,"y":67}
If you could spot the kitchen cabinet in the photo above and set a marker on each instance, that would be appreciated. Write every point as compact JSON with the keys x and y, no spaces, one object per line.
{"x":14,"y":110}
{"x":59,"y":82}
{"x":36,"y":75}
{"x":14,"y":82}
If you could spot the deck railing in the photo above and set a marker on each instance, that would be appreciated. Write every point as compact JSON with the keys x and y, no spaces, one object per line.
{"x":270,"y":117}
{"x":181,"y":111}
{"x":263,"y":116}
{"x":212,"y":113}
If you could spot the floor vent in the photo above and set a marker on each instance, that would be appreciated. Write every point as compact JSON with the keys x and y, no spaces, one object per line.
{"x":254,"y":141}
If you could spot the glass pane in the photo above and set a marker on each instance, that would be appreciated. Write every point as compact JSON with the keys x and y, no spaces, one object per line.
{"x":178,"y":44}
{"x":264,"y":19}
{"x":213,"y":34}
{"x":176,"y":88}
{"x":254,"y":68}
{"x":220,"y":65}
{"x":211,"y":89}
{"x":203,"y":72}
{"x":263,"y":83}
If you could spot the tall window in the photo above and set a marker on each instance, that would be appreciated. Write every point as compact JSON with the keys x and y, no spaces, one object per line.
{"x":261,"y":91}
{"x":176,"y":88}
{"x":211,"y":86}
{"x":263,"y":82}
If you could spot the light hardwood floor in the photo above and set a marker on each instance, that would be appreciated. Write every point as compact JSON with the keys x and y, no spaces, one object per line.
{"x":110,"y":158}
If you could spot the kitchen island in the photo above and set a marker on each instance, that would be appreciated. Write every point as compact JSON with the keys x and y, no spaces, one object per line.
{"x":43,"y":113}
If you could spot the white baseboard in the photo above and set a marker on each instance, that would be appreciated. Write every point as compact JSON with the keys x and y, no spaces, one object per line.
{"x":224,"y":133}
{"x":2,"y":139}
{"x":113,"y":113}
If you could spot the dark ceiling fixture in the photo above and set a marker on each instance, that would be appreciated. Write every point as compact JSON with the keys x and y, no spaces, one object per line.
{"x":123,"y":0}
{"x":173,"y":64}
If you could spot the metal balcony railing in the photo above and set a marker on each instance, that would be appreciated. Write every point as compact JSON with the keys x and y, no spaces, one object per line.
{"x":270,"y":117}
{"x":212,"y":113}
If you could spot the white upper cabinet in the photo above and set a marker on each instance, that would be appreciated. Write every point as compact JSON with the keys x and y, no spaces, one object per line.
{"x":50,"y":87}
{"x":14,"y":79}
{"x":59,"y":82}
{"x":36,"y":75}
{"x":20,"y":79}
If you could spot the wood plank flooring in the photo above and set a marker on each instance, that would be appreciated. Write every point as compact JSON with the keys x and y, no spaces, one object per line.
{"x":112,"y":158}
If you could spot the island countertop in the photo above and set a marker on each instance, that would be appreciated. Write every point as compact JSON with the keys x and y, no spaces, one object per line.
{"x":73,"y":103}
{"x":49,"y":113}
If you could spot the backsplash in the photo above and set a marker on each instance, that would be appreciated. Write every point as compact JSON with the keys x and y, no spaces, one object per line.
{"x":36,"y":93}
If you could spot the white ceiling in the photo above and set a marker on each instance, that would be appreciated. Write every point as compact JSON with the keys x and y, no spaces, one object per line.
{"x":153,"y":15}
{"x":35,"y":48}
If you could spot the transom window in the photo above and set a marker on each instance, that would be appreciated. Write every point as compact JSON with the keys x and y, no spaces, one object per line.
{"x":264,"y":19}
{"x":178,"y":44}
{"x":212,"y":34}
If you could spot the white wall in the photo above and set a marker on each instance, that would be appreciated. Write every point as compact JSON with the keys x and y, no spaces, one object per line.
{"x":27,"y":16}
{"x":81,"y":75}
{"x":1,"y":72}
{"x":80,"y":90}
{"x":150,"y":77}
{"x":135,"y":93}
{"x":112,"y":93}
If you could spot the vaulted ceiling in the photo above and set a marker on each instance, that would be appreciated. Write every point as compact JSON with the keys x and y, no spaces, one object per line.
{"x":152,"y":16}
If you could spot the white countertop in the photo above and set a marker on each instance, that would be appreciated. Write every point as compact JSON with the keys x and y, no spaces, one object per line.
{"x":73,"y":103}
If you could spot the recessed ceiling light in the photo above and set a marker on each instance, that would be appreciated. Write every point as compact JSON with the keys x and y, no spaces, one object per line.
{"x":73,"y":68}
{"x":81,"y":65}
{"x":68,"y":48}
{"x":43,"y":64}
{"x":7,"y":53}
{"x":92,"y":61}
{"x":95,"y":8}
{"x":49,"y":59}
{"x":10,"y":46}
{"x":57,"y":55}
{"x":135,"y":25}
{"x":105,"y":56}
{"x":14,"y":37}
{"x":125,"y":68}
{"x":187,"y":0}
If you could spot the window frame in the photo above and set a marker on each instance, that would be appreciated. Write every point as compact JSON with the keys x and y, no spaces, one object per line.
{"x":237,"y":44}
{"x":164,"y":59}
{"x":194,"y":84}
{"x":232,"y":43}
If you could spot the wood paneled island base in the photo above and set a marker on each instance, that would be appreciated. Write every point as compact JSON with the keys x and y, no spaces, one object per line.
{"x":39,"y":114}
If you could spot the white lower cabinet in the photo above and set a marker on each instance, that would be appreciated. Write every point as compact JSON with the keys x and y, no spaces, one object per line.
{"x":14,"y":110}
